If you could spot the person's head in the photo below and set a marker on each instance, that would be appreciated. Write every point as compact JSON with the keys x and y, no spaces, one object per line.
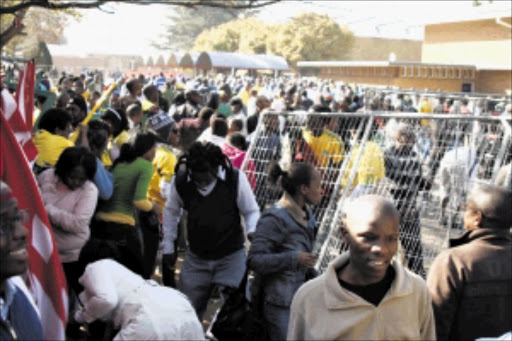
{"x":75,"y":166}
{"x":213,"y":100}
{"x":464,"y":102}
{"x":78,"y":86}
{"x":13,"y":236}
{"x":143,"y":145}
{"x":236,"y":125}
{"x":115,"y":99}
{"x":97,"y":136}
{"x":193,"y":97}
{"x":179,"y":99}
{"x":237,"y":140}
{"x":67,"y":84}
{"x":151,"y":93}
{"x":77,"y":108}
{"x":62,"y":100}
{"x":262,"y":103}
{"x":488,"y":206}
{"x":202,"y":161}
{"x":236,"y":105}
{"x":116,"y":118}
{"x":302,"y":182}
{"x":315,"y":122}
{"x":57,"y":122}
{"x":164,"y":128}
{"x":219,"y":126}
{"x":370,"y":229}
{"x":405,"y":136}
{"x":135,"y":113}
{"x":386,"y":105}
{"x":205,"y":114}
{"x":134,"y":87}
{"x":95,"y":96}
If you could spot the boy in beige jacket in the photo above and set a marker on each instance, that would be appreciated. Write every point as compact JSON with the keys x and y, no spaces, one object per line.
{"x":365,"y":294}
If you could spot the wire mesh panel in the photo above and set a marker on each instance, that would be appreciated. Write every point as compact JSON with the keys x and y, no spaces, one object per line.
{"x":317,"y":138}
{"x":430,"y":162}
{"x":424,"y":163}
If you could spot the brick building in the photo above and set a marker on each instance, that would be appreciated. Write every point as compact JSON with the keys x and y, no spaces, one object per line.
{"x":463,"y":55}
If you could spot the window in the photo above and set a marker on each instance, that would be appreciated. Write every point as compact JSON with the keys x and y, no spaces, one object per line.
{"x":458,"y":73}
{"x":418,"y":71}
{"x":404,"y":71}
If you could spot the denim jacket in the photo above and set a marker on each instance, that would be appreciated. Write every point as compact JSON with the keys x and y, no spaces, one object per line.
{"x":282,"y":231}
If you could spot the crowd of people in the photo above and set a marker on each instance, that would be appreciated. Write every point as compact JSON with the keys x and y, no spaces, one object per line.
{"x":162,"y":164}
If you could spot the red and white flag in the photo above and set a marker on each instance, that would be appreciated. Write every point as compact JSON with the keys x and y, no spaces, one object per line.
{"x":19,"y":111}
{"x":47,"y":282}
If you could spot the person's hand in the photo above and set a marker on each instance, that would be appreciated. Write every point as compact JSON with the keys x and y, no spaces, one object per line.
{"x":306,"y":259}
{"x":157,"y":210}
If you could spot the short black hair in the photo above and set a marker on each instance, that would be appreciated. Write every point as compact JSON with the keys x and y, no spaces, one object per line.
{"x":237,"y":140}
{"x":55,"y":118}
{"x":96,"y":140}
{"x":219,"y":127}
{"x":76,"y":156}
{"x":238,"y":123}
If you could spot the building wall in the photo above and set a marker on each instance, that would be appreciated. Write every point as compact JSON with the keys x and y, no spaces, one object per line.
{"x":482,"y":42}
{"x":379,"y":49}
{"x":494,"y":81}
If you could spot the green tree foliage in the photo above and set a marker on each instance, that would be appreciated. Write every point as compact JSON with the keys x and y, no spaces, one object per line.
{"x":305,"y":37}
{"x":311,"y":37}
{"x":39,"y":25}
{"x":150,"y":61}
{"x":242,"y":35}
{"x":160,"y":61}
{"x":185,"y":24}
{"x":43,"y":57}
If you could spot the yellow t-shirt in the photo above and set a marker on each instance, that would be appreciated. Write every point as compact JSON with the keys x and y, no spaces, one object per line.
{"x":326,"y":147}
{"x":370,"y":168}
{"x":49,"y":147}
{"x":163,"y":170}
{"x":425,"y":107}
{"x":244,"y":96}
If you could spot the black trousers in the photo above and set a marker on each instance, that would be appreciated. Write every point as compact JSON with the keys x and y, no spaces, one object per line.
{"x":126,"y":241}
{"x":150,"y":227}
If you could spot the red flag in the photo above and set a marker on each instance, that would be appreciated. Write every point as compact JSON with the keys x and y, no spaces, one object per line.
{"x":46,"y":277}
{"x":19,"y":113}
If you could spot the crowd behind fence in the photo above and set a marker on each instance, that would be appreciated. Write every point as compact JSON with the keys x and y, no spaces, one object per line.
{"x":357,"y":154}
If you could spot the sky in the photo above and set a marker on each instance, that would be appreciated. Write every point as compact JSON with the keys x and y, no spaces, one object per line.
{"x":131,"y":28}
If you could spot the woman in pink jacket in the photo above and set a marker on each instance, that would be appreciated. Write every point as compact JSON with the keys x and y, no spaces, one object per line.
{"x":70,"y":198}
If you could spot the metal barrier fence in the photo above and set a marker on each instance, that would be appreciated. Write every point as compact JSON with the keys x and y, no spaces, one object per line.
{"x":427,"y":177}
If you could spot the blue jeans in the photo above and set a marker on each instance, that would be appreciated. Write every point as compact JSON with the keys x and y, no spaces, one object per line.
{"x":200,"y":276}
{"x":277,"y":319}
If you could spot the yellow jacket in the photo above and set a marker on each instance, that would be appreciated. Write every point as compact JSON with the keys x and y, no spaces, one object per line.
{"x":370,"y":168}
{"x":163,"y":170}
{"x":49,"y":147}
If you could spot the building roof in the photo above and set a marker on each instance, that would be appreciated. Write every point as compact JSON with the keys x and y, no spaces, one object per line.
{"x":215,"y":59}
{"x":374,"y":64}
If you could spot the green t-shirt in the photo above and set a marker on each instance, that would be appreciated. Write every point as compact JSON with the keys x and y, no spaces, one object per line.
{"x":131,"y":182}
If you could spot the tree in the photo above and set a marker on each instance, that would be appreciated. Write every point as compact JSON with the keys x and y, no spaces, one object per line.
{"x":310,"y":37}
{"x":242,"y":35}
{"x":185,"y":24}
{"x":160,"y":60}
{"x":12,"y":12}
{"x":43,"y":57}
{"x":305,"y":37}
{"x":150,"y":61}
{"x":39,"y":25}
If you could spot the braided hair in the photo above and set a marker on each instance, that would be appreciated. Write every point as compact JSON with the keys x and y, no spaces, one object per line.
{"x":204,"y":157}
